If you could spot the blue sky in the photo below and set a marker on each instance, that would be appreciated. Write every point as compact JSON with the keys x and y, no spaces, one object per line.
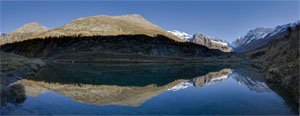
{"x":223,"y":19}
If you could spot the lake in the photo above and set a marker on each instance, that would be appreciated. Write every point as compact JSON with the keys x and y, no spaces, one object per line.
{"x":85,"y":89}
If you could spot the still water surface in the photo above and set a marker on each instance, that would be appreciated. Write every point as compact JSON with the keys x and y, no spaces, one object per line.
{"x":145,"y":89}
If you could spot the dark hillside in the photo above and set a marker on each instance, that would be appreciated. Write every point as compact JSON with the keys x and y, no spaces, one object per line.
{"x":143,"y":45}
{"x":279,"y":59}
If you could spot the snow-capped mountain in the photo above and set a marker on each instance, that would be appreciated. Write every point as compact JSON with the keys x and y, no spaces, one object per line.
{"x":259,"y":36}
{"x":283,"y":28}
{"x":182,"y":35}
{"x":208,"y":41}
{"x":257,"y":33}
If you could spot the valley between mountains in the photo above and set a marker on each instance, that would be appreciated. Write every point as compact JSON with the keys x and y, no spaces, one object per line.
{"x":134,"y":39}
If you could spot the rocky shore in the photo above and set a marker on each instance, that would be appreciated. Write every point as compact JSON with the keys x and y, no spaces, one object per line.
{"x":14,"y":67}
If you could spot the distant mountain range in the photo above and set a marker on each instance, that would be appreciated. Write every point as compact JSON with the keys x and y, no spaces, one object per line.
{"x":259,"y":37}
{"x":208,"y":41}
{"x":134,"y":24}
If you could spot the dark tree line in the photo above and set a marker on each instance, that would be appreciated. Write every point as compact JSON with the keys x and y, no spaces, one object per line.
{"x":44,"y":47}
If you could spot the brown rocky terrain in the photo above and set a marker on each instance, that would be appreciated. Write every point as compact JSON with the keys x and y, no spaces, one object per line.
{"x":208,"y":42}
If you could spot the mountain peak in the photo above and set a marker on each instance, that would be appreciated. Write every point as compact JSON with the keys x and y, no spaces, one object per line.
{"x":133,"y":15}
{"x":111,"y":25}
{"x":134,"y":19}
{"x":127,"y":16}
{"x":259,"y":34}
{"x":33,"y":27}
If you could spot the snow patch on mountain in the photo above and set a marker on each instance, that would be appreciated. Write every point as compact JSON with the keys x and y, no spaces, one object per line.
{"x":257,"y":33}
{"x":216,"y":40}
{"x":220,"y":42}
{"x":181,"y":86}
{"x":189,"y":38}
{"x":220,"y":78}
{"x":282,"y":28}
{"x":208,"y":41}
{"x":182,"y":35}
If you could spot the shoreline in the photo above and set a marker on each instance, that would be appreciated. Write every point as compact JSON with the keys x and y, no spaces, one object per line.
{"x":14,"y":67}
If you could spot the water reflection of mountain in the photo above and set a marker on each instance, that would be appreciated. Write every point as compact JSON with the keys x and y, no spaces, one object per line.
{"x":211,"y":77}
{"x":99,"y":94}
{"x":251,"y":78}
{"x":119,"y":85}
{"x":199,"y":81}
{"x":112,"y":85}
{"x":119,"y":95}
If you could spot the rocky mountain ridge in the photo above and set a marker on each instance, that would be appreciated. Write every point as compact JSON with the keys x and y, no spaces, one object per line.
{"x":208,"y":41}
{"x":259,"y":37}
{"x":211,"y":42}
